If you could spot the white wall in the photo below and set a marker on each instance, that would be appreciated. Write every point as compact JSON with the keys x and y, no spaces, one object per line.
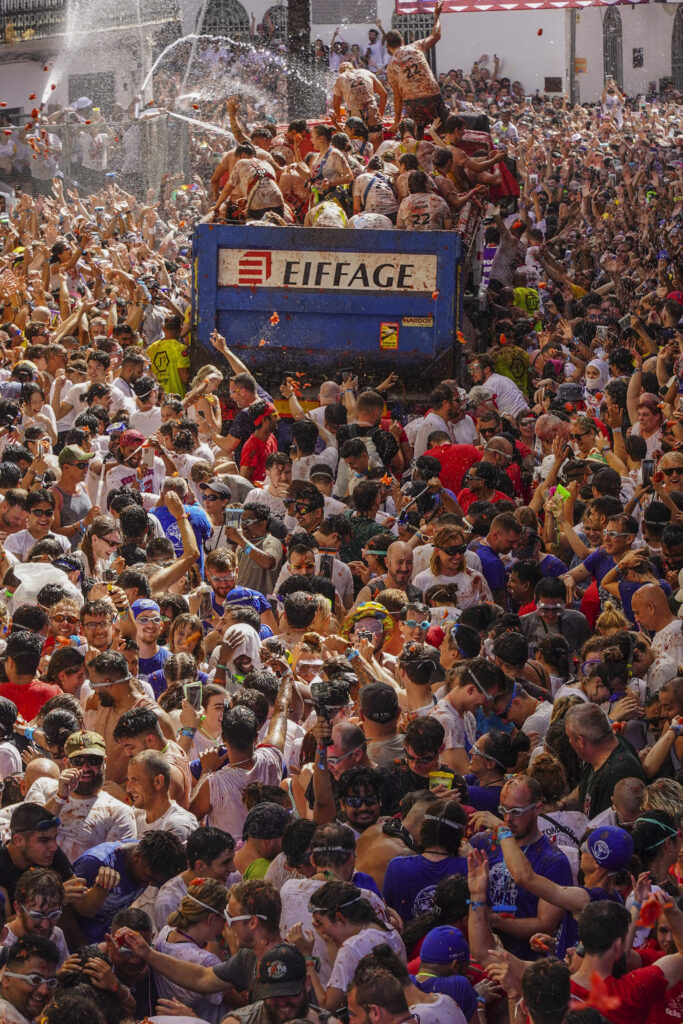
{"x":649,"y":26}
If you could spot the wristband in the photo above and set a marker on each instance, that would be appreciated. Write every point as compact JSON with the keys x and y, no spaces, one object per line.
{"x":248,"y":549}
{"x":29,"y":732}
{"x":504,"y":833}
{"x":676,"y":727}
{"x":60,"y":799}
{"x":476,"y":904}
{"x":351,"y":654}
{"x":186,"y":731}
{"x":637,"y":905}
{"x":183,"y":516}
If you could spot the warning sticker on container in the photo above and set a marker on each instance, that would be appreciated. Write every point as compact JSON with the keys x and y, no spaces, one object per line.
{"x":417,"y":321}
{"x":388,"y":336}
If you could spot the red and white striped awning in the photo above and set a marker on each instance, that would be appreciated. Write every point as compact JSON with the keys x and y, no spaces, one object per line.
{"x":467,"y":6}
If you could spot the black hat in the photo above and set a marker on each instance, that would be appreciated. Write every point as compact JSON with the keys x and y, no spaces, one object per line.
{"x":379,"y":702}
{"x":216,"y":487}
{"x":266,"y":821}
{"x":282,"y":972}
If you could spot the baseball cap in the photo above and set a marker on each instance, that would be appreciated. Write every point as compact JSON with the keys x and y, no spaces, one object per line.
{"x":379,"y":702}
{"x":266,"y":821}
{"x":610,"y":847}
{"x":217,"y":488}
{"x":84,"y":742}
{"x":71,"y":454}
{"x":129,"y":438}
{"x":144,"y":604}
{"x":242,"y":597}
{"x":282,"y":972}
{"x":322,"y":471}
{"x":443,"y":945}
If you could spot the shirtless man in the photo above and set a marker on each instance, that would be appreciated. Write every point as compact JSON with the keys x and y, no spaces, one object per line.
{"x":411,"y":79}
{"x":356,"y":89}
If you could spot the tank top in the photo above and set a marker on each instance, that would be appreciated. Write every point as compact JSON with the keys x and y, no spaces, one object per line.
{"x":72,"y":508}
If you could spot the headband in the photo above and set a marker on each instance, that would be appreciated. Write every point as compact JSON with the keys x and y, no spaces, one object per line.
{"x":444,"y":821}
{"x":661,"y":824}
{"x":206,"y":906}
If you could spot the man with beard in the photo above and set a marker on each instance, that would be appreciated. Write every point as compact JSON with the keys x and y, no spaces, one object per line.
{"x":520,"y":805}
{"x":114,"y":695}
{"x":131,"y":473}
{"x":280,"y":992}
{"x":379,"y":999}
{"x":87,"y":813}
{"x":397,"y":577}
{"x":23,"y":1000}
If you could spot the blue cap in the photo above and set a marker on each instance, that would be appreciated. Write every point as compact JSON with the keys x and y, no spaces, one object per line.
{"x":610,"y":847}
{"x":242,"y":597}
{"x":443,"y":945}
{"x":144,"y":604}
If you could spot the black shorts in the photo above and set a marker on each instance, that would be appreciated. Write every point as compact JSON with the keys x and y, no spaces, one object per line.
{"x":425,"y":110}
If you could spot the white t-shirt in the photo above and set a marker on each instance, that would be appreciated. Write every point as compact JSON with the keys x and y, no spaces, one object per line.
{"x":86,"y":821}
{"x":667,"y":647}
{"x":296,"y":894}
{"x":472,"y":586}
{"x":301,"y":468}
{"x":539,"y":720}
{"x":463,"y":431}
{"x":356,"y":947}
{"x":458,"y":728}
{"x":176,"y":820}
{"x":443,"y":1010}
{"x":149,"y":484}
{"x":10,"y":759}
{"x":56,"y":936}
{"x":341,"y":578}
{"x":20,"y":543}
{"x":227,"y":785}
{"x":430,"y":423}
{"x":146,"y":422}
{"x":207,"y":1007}
{"x":509,"y":399}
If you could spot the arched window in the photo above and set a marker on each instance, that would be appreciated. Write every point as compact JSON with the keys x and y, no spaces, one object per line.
{"x":277,"y":15}
{"x":225,"y":18}
{"x":416,"y":26}
{"x":612,"y":45}
{"x":677,"y":50}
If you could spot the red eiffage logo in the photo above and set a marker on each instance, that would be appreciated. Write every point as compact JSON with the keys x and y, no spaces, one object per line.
{"x":254,"y":268}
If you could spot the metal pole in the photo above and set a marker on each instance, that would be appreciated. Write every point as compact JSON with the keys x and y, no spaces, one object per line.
{"x":573,"y":98}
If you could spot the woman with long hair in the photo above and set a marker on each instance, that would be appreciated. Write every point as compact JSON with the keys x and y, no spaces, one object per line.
{"x":100,"y":545}
{"x":66,"y":669}
{"x":192,"y":933}
{"x":201,"y":401}
{"x":493,"y":755}
{"x":448,"y":566}
{"x":656,"y":844}
{"x":343,"y":918}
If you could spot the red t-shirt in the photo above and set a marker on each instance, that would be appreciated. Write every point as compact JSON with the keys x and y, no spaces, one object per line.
{"x":638,"y":991}
{"x":468,"y":497}
{"x":29,"y":699}
{"x":455,"y":460}
{"x":672,"y":1008}
{"x":527,"y":609}
{"x":255,"y":453}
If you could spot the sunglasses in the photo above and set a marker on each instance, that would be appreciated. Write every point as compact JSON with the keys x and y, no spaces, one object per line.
{"x":81,"y":465}
{"x":342,"y":757}
{"x":488,"y":430}
{"x":425,"y":759}
{"x":42,"y":513}
{"x":211,"y":497}
{"x":371,"y":800}
{"x":224,"y":579}
{"x":671,"y":470}
{"x":454,"y":549}
{"x":413,"y":623}
{"x":86,"y":760}
{"x":616,"y":533}
{"x":111,"y":543}
{"x":64,"y":618}
{"x":578,"y":437}
{"x":34,"y":980}
{"x":515,"y":812}
{"x":38,"y":915}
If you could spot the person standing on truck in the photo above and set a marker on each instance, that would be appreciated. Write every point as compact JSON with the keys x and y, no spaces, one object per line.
{"x":422,"y":209}
{"x":363,"y":95}
{"x":330,"y":169}
{"x":253,"y":182}
{"x":411,"y":79}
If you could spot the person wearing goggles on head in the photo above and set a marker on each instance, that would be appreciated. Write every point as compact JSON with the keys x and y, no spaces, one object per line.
{"x":114,"y":694}
{"x":33,"y":844}
{"x":553,"y":616}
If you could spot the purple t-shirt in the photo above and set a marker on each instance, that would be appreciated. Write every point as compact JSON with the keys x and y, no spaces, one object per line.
{"x":409,"y":882}
{"x":546,"y":860}
{"x":599,"y":563}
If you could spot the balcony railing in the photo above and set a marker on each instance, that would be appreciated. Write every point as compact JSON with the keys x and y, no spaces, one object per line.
{"x":37,"y":19}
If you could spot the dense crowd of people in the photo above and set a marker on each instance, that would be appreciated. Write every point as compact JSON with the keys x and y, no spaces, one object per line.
{"x":356,"y":703}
